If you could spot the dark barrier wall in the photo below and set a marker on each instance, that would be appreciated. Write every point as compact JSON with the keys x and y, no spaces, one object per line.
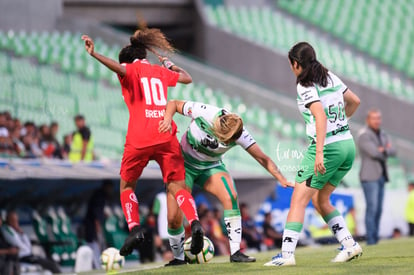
{"x":72,"y":193}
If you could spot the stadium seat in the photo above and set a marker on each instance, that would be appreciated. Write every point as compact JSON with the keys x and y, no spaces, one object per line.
{"x":393,"y":47}
{"x":30,"y":96}
{"x":275,"y":29}
{"x":94,"y":111}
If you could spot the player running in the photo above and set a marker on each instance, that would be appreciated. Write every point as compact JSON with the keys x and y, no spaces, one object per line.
{"x":144,"y":89}
{"x":212,"y":132}
{"x":325,"y":103}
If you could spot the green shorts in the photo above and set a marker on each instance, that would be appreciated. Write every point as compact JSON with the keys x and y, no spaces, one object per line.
{"x":200,"y":176}
{"x":338,"y":159}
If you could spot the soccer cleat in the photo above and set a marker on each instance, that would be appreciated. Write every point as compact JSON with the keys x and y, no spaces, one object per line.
{"x":176,"y":262}
{"x":348,"y":254}
{"x":239,"y":257}
{"x":197,"y":237}
{"x":135,"y":238}
{"x":278,"y":260}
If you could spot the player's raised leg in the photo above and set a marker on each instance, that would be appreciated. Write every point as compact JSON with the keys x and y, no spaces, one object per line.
{"x":129,"y":204}
{"x":133,"y":162}
{"x":176,"y":232}
{"x":350,"y":249}
{"x":221,"y":185}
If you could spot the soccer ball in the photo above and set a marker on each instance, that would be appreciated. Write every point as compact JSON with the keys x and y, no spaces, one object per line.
{"x":111,"y":260}
{"x":204,"y":256}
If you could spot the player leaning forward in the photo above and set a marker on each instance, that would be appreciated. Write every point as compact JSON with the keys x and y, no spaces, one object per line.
{"x":211,"y":133}
{"x":144,"y":89}
{"x":325,"y":103}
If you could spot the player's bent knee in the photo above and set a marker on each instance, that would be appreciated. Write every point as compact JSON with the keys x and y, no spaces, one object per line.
{"x":174,"y":222}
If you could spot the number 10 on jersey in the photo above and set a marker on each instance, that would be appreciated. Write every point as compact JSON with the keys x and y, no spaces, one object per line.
{"x":154,"y":91}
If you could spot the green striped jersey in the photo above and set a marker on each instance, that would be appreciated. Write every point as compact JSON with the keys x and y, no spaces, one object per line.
{"x":199,"y":144}
{"x":332,"y":100}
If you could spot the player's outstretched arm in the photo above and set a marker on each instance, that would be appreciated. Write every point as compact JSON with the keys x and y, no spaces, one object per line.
{"x":352,"y":102}
{"x":108,"y":62}
{"x":173,"y":106}
{"x":184,"y":77}
{"x":268,"y":164}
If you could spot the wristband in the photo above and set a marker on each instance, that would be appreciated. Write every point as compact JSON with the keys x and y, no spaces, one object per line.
{"x":167,"y":63}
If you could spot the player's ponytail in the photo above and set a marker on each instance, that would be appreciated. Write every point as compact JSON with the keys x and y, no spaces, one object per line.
{"x":143,"y":40}
{"x":312,"y":70}
{"x":228,"y":127}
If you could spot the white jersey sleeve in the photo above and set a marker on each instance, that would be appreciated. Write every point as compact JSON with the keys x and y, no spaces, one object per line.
{"x":245,"y":140}
{"x":336,"y":81}
{"x":197,"y":109}
{"x":307,"y":95}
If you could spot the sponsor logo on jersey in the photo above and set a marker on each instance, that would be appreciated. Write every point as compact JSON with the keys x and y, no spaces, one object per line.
{"x":210,"y":142}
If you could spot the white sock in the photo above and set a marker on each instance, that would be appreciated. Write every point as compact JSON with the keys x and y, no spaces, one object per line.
{"x":232,"y":220}
{"x":177,"y":238}
{"x":340,"y":230}
{"x":289,"y":242}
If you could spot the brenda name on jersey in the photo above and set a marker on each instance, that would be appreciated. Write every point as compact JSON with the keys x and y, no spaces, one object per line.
{"x":154,"y":113}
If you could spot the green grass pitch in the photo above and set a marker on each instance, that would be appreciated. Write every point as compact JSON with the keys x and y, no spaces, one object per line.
{"x":388,"y":257}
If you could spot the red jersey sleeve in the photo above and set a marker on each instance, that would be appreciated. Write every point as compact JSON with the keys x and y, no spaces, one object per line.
{"x":126,"y":79}
{"x":170,"y":76}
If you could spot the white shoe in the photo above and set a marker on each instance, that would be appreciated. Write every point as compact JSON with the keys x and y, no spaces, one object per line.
{"x":278,"y":260}
{"x":348,"y":254}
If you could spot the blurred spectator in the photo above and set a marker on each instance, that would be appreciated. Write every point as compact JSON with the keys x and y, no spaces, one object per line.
{"x":54,"y":128}
{"x":396,"y":233}
{"x":374,"y":148}
{"x":9,"y":262}
{"x":269,"y":233}
{"x":18,"y":145}
{"x":82,"y":142}
{"x":29,"y":129}
{"x":218,"y":215}
{"x":45,"y":141}
{"x":32,"y":149}
{"x":6,"y":144}
{"x":250,"y":234}
{"x":67,"y":141}
{"x":15,"y":236}
{"x":212,"y":230}
{"x":95,"y":219}
{"x":409,"y":209}
{"x":350,"y":220}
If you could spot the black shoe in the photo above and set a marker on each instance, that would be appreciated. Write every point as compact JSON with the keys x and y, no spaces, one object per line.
{"x":197,"y":237}
{"x":176,"y":262}
{"x":239,"y":257}
{"x":135,"y":238}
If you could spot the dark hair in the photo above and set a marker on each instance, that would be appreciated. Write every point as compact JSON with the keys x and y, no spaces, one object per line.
{"x":312,"y":70}
{"x":141,"y":41}
{"x":79,"y":117}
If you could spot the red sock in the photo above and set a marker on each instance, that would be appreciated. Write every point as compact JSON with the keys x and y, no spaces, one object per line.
{"x":129,"y":204}
{"x":187,"y":204}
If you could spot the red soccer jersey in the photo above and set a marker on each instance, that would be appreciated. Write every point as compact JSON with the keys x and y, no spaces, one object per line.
{"x":145,"y":90}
